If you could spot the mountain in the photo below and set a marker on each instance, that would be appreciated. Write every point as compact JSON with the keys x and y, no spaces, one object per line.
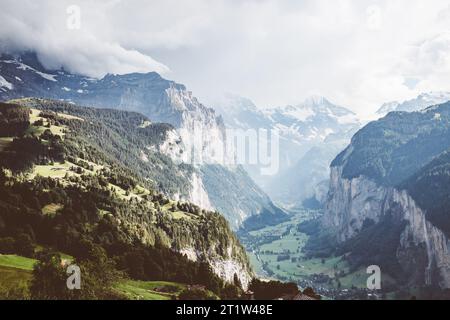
{"x":311,"y":134}
{"x":160,"y":99}
{"x":198,"y":137}
{"x":389,"y":196}
{"x":421,"y":102}
{"x":72,"y":178}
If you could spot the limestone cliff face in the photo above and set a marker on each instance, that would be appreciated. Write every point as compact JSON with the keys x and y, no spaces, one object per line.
{"x":198,"y":194}
{"x":214,"y":185}
{"x":225,"y":267}
{"x":352,"y":201}
{"x":202,"y":132}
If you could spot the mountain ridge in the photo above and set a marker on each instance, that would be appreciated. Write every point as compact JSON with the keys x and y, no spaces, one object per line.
{"x":422,"y":101}
{"x":159,"y":99}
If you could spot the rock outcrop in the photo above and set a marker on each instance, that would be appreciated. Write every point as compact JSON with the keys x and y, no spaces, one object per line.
{"x":351,"y":202}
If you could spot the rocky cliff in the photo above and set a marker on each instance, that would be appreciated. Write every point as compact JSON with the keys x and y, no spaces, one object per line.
{"x":352,"y":203}
{"x":226,"y":267}
{"x":387,"y":202}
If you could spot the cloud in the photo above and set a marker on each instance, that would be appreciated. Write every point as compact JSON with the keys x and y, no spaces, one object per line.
{"x":42,"y":26}
{"x":358,"y":53}
{"x":429,"y":63}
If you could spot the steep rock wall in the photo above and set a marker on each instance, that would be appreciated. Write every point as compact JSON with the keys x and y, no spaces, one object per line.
{"x":351,"y":202}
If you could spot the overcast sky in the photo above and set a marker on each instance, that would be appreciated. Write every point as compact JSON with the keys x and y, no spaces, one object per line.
{"x":357,"y":53}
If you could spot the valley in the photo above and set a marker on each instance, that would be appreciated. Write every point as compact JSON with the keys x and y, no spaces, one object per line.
{"x":241,"y":151}
{"x":276,"y":252}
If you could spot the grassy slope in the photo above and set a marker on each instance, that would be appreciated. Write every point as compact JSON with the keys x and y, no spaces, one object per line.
{"x":18,"y":262}
{"x":150,"y":290}
{"x":16,"y":272}
{"x":13,"y":279}
{"x":60,"y":170}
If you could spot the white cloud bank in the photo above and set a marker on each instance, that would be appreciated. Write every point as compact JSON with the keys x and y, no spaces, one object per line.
{"x":358,"y":53}
{"x":43,"y":26}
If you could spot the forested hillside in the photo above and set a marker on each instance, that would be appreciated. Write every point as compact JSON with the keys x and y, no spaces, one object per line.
{"x":70,"y":182}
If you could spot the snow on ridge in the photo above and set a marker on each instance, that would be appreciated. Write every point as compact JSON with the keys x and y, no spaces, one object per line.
{"x":5,"y":84}
{"x":300,"y":113}
{"x":22,"y":66}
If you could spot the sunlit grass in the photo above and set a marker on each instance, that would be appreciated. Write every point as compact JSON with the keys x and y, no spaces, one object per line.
{"x":18,"y":262}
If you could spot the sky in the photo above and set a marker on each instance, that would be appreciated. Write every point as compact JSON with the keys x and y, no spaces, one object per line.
{"x":357,"y":53}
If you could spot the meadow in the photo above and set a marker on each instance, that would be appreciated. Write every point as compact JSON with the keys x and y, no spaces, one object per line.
{"x":16,"y":275}
{"x":275,"y":252}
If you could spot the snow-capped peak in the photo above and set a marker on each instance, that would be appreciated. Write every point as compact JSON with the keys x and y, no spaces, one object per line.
{"x":422,"y":101}
{"x":316,"y":107}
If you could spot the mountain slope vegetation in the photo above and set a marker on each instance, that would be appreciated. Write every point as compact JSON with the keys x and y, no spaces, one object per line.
{"x":160,"y":100}
{"x":69,"y":181}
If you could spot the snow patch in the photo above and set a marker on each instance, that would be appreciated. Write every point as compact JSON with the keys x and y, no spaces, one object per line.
{"x":5,"y":84}
{"x":348,"y":119}
{"x":22,"y":66}
{"x":300,"y":113}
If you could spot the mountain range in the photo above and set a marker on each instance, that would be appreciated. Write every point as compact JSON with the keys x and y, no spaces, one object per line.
{"x":109,"y":164}
{"x":311,"y":134}
{"x":194,"y":127}
{"x":420,"y":102}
